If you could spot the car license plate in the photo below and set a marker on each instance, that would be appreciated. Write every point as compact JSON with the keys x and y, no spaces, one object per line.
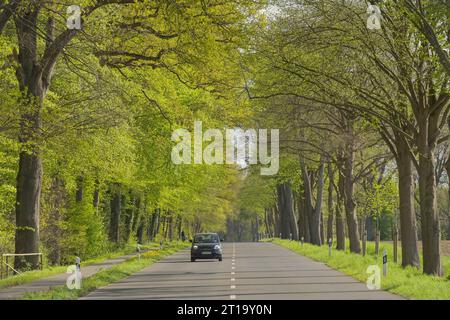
{"x":206,"y":252}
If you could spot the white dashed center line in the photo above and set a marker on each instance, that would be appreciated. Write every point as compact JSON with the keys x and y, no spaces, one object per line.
{"x":233,"y":296}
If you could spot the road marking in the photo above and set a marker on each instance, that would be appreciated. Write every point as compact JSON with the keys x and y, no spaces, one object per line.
{"x":233,"y":272}
{"x":232,"y":260}
{"x":233,"y":268}
{"x":232,"y":287}
{"x":232,"y":263}
{"x":233,"y":279}
{"x":232,"y":296}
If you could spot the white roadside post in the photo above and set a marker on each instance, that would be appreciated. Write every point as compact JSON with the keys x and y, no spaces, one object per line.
{"x":330,"y":243}
{"x":385,"y":263}
{"x":138,"y":250}
{"x":303,"y":240}
{"x":78,"y":263}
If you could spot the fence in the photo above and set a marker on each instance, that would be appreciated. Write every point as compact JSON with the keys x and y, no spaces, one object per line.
{"x":6,"y":265}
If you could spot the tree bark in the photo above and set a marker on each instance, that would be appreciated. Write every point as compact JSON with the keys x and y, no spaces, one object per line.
{"x":96,"y":196}
{"x":140,"y":232}
{"x":158,"y":223}
{"x":284,"y":218}
{"x":408,"y":225}
{"x":431,"y":231}
{"x":29,"y":181}
{"x":447,"y":168}
{"x":347,"y":178}
{"x":318,"y":219}
{"x":33,"y":76}
{"x":330,"y":203}
{"x":276,"y":219}
{"x":289,"y":203}
{"x":170,"y":227}
{"x":116,"y":207}
{"x":340,"y":228}
{"x":129,"y":217}
{"x":312,"y":220}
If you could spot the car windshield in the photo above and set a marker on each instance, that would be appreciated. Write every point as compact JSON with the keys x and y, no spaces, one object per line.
{"x":206,"y":238}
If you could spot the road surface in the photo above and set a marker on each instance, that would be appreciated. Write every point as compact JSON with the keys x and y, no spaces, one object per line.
{"x":45,"y":284}
{"x":248,"y":271}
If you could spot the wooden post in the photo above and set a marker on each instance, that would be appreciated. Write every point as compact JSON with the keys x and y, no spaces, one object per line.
{"x":364,"y":243}
{"x":395,"y":241}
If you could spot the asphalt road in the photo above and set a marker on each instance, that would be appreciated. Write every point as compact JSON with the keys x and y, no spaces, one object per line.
{"x":248,"y":271}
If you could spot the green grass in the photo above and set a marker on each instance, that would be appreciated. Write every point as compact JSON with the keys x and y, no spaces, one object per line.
{"x":107,"y":276}
{"x":407,"y":282}
{"x":34,"y":275}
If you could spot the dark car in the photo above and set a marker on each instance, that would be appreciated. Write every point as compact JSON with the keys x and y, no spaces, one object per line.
{"x":206,"y":246}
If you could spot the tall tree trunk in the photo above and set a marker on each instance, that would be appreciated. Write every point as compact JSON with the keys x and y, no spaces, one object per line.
{"x":29,"y":175}
{"x":96,"y":196}
{"x":137,"y":214}
{"x":266,"y":221}
{"x":311,"y":217}
{"x":140,"y":232}
{"x":158,"y":222}
{"x":257,"y":228}
{"x":116,"y":207}
{"x":431,"y":231}
{"x":330,"y":203}
{"x":171,"y":223}
{"x":447,"y":168}
{"x":369,"y":228}
{"x":346,"y":175}
{"x":284,"y":218}
{"x":408,"y":225}
{"x":304,"y":219}
{"x":317,"y":216}
{"x":277,"y":220}
{"x":290,"y":211}
{"x":33,"y":75}
{"x":428,"y":110}
{"x":179,"y":226}
{"x":27,"y":208}
{"x":273,"y":220}
{"x":340,"y":227}
{"x":129,"y":217}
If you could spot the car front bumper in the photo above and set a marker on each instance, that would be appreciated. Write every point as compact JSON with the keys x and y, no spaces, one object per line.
{"x":206,"y":254}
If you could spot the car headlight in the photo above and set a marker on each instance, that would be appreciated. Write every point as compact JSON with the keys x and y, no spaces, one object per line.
{"x":216,"y":247}
{"x":195,"y":247}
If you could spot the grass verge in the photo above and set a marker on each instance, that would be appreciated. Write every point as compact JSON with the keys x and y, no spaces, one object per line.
{"x":34,"y":275}
{"x":107,"y":276}
{"x":407,"y":282}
